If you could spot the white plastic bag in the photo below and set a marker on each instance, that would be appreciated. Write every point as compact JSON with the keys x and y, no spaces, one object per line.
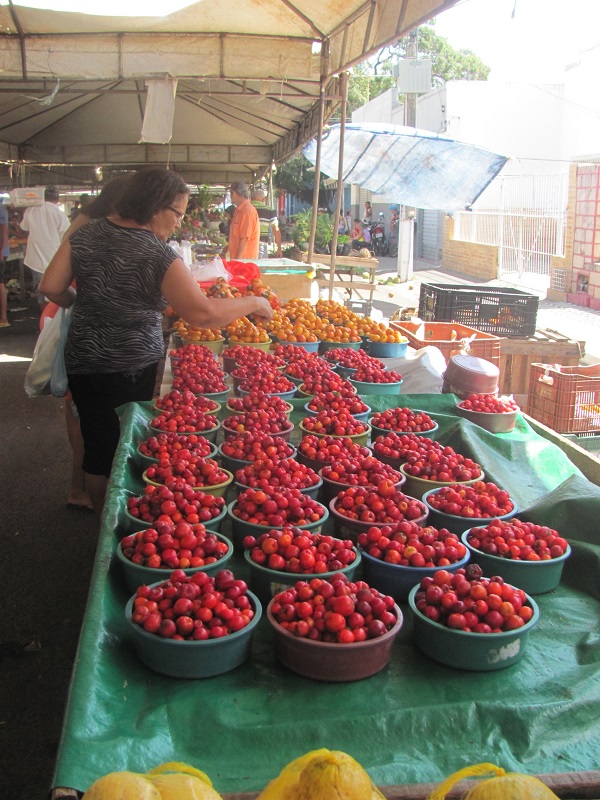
{"x":210,"y":271}
{"x":39,"y":374}
{"x":59,"y":383}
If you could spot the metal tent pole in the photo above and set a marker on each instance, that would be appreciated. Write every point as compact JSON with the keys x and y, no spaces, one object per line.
{"x":340,"y":180}
{"x":315,"y":201}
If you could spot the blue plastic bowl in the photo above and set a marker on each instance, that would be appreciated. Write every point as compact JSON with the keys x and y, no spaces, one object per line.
{"x":345,"y":372}
{"x":396,"y":579}
{"x":476,"y":652}
{"x":457,"y":524}
{"x":387,"y":349}
{"x":145,"y":461}
{"x":367,"y":387}
{"x":136,"y":524}
{"x":137,"y":575}
{"x":220,"y":397}
{"x":283,"y":395}
{"x":266,"y":582}
{"x":534,"y":577}
{"x":418,"y":487}
{"x":241,"y":528}
{"x":310,"y":347}
{"x":200,"y":659}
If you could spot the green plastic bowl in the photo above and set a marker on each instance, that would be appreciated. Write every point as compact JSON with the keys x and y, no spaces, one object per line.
{"x":218,"y":490}
{"x":137,"y":575}
{"x":361,"y":416}
{"x":331,"y":662}
{"x":368,"y":387}
{"x":233,"y":464}
{"x":418,"y":487}
{"x":210,"y":435}
{"x":294,"y":379}
{"x":476,"y":652}
{"x":284,"y":434}
{"x":387,"y":349}
{"x":265,"y":346}
{"x":288,"y":411}
{"x":310,"y":491}
{"x":135,"y":524}
{"x":385,"y":431}
{"x":266,"y":582}
{"x":241,"y":528}
{"x":534,"y":577}
{"x":325,"y":346}
{"x":179,"y":658}
{"x":357,"y":438}
{"x":398,"y":580}
{"x":457,"y":524}
{"x":145,"y":461}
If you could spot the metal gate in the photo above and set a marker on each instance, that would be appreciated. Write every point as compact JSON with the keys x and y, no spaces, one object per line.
{"x":524,"y":216}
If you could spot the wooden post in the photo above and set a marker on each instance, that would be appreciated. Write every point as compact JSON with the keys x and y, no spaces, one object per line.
{"x":315,"y":208}
{"x":340,"y":180}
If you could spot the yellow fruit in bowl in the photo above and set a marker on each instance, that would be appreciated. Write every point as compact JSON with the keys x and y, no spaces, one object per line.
{"x":322,"y":775}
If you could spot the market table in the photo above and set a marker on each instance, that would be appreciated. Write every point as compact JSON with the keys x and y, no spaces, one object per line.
{"x":416,"y":721}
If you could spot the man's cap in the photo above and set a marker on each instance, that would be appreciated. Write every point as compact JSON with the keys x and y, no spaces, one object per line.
{"x":393,"y":208}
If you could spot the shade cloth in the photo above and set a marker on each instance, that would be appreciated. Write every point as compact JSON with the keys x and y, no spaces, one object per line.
{"x":409,"y":166}
{"x":415,"y":721}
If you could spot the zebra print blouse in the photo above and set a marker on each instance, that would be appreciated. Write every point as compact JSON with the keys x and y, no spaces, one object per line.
{"x":116,"y":323}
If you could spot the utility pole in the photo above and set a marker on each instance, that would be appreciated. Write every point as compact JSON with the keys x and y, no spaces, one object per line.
{"x":406,"y":223}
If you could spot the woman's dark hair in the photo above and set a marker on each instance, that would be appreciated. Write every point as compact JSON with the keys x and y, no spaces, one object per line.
{"x":104,"y":203}
{"x":148,"y":192}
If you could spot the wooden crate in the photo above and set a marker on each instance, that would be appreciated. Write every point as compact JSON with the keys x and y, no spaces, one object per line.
{"x":448,"y":336}
{"x":546,"y":347}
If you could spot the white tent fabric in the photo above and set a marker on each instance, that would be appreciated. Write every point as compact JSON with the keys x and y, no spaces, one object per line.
{"x":413,"y":167}
{"x":250,"y":74}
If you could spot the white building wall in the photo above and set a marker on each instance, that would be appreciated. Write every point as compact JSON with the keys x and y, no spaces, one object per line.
{"x":582,"y":107}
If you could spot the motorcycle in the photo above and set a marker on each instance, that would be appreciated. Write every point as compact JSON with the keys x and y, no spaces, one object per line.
{"x":378,"y":240}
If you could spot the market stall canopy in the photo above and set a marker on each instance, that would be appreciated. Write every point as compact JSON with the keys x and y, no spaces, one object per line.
{"x":409,"y":166}
{"x":249,"y":77}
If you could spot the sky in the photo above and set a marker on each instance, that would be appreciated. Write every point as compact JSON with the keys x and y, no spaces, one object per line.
{"x":526,"y":40}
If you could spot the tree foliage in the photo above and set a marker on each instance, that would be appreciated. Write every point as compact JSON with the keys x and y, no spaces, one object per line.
{"x":372,"y":78}
{"x":297,"y":177}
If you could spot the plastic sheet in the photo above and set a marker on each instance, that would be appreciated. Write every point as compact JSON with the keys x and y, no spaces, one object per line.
{"x":416,"y":721}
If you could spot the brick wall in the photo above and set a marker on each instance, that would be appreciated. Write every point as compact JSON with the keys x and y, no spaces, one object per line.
{"x":478,"y":260}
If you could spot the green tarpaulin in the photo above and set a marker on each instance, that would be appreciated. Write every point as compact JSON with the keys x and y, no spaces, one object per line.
{"x":416,"y":721}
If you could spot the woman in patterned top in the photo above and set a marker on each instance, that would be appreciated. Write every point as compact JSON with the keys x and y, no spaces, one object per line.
{"x":126,"y":275}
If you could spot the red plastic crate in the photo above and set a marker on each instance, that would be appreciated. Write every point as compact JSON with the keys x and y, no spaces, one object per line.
{"x":566,"y":399}
{"x":447,"y":336}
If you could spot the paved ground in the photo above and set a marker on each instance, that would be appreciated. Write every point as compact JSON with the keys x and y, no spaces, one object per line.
{"x":573,"y":321}
{"x":48,"y":551}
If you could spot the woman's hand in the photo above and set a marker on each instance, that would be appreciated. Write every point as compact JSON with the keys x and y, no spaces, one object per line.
{"x":263,"y":308}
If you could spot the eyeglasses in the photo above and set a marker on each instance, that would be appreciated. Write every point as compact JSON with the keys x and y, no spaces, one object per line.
{"x":179,"y":214}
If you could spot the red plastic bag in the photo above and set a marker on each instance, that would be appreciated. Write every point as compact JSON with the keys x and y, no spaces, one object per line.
{"x":242,"y":272}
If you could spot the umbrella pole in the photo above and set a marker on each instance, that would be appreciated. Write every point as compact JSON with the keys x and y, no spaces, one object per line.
{"x":340,"y":181}
{"x":315,"y":202}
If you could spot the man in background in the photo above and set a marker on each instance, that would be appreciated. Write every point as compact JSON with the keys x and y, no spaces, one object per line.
{"x":44,"y":225}
{"x":4,"y":253}
{"x":244,"y":234}
{"x":269,"y":225}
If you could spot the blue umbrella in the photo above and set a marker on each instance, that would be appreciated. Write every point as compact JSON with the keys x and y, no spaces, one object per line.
{"x":409,"y":166}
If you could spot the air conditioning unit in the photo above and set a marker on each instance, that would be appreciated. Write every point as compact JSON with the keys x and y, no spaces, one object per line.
{"x":414,"y":75}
